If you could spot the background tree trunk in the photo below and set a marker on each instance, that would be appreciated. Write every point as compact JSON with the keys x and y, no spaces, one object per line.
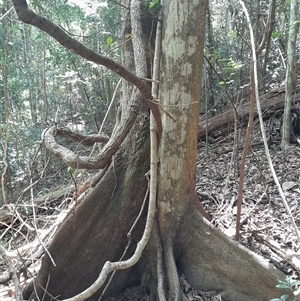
{"x":290,"y":78}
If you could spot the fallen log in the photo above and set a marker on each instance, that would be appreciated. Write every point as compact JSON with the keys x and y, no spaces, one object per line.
{"x":8,"y":214}
{"x":270,"y":102}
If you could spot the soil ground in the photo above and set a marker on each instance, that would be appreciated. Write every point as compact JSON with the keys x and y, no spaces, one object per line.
{"x":265,"y":226}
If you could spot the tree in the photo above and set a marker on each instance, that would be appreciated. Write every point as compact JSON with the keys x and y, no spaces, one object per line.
{"x":290,"y":78}
{"x":181,"y":239}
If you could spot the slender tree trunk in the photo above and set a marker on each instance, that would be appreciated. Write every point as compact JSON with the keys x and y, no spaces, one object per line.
{"x":210,"y":42}
{"x":290,"y":80}
{"x":268,"y":45}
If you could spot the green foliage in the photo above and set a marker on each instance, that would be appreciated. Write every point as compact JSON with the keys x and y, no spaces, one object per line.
{"x":45,"y":79}
{"x":289,"y":284}
{"x":109,"y":41}
{"x":71,"y":171}
{"x":277,"y":34}
{"x":233,"y":35}
{"x":154,"y":6}
{"x":233,"y":66}
{"x":230,"y":67}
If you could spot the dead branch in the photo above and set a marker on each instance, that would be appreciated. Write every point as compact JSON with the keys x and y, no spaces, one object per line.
{"x":7,"y":213}
{"x":288,"y":255}
{"x":14,"y":274}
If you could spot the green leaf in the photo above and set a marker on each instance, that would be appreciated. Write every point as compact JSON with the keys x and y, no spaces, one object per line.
{"x":109,"y":41}
{"x":282,"y":285}
{"x":276,"y":34}
{"x":154,"y":6}
{"x":284,"y":297}
{"x":14,"y":28}
{"x":294,"y":283}
{"x":154,"y":3}
{"x":233,"y":34}
{"x":71,"y":170}
{"x":38,"y":36}
{"x":276,"y":299}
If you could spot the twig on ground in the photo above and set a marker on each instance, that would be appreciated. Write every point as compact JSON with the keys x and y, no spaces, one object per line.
{"x":288,"y":255}
{"x":14,"y":273}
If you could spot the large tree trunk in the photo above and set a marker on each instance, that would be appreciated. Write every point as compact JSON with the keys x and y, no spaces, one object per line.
{"x":96,"y":231}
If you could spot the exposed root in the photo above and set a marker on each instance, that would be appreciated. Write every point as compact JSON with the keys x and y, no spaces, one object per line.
{"x":160,"y":270}
{"x":175,"y":292}
{"x":212,"y":261}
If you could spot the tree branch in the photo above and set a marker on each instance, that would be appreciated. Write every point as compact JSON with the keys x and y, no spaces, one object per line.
{"x":28,"y":16}
{"x":266,"y":32}
{"x":86,"y":162}
{"x":87,"y":140}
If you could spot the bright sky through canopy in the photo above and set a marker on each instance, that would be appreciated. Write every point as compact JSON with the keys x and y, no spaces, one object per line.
{"x":89,"y":7}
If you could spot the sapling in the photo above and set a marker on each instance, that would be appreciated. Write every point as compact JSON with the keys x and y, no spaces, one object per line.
{"x":289,"y":284}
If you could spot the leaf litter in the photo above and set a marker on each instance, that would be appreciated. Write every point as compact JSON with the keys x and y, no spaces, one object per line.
{"x":265,"y":226}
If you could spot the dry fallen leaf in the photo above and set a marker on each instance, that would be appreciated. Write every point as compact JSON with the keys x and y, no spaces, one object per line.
{"x":288,"y":185}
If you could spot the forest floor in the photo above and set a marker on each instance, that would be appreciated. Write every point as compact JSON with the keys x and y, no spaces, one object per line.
{"x":265,"y":226}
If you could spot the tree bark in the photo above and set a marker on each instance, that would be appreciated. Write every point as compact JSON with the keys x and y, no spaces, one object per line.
{"x":179,"y":93}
